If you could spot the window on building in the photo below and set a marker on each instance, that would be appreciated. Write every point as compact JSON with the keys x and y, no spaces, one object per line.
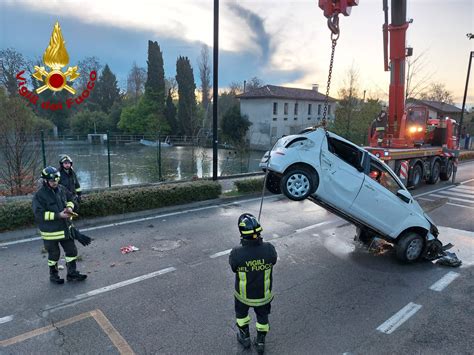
{"x":275,"y":109}
{"x":274,"y":118}
{"x":309,"y":118}
{"x":285,"y":118}
{"x":296,"y":108}
{"x":310,"y":106}
{"x":285,"y":108}
{"x":296,"y":118}
{"x":319,"y":109}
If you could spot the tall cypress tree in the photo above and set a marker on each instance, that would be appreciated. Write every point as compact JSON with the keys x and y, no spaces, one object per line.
{"x":155,"y":82}
{"x":170,"y":113}
{"x":106,"y":91}
{"x":187,"y":119}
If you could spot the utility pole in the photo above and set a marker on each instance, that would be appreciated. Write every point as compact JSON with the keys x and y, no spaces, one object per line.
{"x":471,"y":54}
{"x":215,"y":90}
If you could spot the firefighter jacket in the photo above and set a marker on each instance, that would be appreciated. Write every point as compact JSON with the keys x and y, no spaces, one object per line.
{"x":252,"y":263}
{"x":47,"y":204}
{"x":70,"y":181}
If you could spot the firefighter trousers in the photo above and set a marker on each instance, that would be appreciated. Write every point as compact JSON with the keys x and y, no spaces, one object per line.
{"x":52,"y":246}
{"x":262,"y":312}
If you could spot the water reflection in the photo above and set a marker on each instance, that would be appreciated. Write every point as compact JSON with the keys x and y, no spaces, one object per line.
{"x":135,"y":164}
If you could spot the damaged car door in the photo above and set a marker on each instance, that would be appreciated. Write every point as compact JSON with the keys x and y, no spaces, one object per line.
{"x":342,"y":176}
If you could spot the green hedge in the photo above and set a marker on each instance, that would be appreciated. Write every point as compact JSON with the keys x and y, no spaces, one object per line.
{"x":19,"y":213}
{"x":249,"y":185}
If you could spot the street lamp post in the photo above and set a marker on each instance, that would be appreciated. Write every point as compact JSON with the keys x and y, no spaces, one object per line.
{"x":471,"y":54}
{"x":215,"y":90}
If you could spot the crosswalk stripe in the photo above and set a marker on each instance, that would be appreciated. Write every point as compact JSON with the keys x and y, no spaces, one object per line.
{"x":453,"y":198}
{"x":457,"y":194}
{"x":464,"y":188}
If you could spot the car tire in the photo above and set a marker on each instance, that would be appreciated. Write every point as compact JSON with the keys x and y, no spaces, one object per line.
{"x":416,"y":176}
{"x":272,"y":183}
{"x":434,"y":174}
{"x":298,"y":183}
{"x":410,"y":247}
{"x":446,"y":175}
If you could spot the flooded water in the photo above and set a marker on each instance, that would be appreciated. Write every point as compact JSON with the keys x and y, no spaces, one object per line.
{"x":136,"y":164}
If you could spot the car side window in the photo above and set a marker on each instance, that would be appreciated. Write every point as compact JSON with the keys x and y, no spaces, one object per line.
{"x":346,"y":152}
{"x":380,"y":174}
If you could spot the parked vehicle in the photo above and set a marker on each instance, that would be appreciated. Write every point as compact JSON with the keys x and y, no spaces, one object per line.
{"x":353,"y":184}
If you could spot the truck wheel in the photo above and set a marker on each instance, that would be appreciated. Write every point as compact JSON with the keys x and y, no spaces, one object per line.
{"x":410,"y":247}
{"x":446,"y":175}
{"x":273,"y":183}
{"x":416,"y":176}
{"x":434,"y":175}
{"x":298,"y":183}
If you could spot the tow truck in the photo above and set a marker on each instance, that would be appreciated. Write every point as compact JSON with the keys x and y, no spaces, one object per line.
{"x":417,"y":147}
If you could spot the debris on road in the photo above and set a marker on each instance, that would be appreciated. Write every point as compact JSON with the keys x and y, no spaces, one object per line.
{"x":128,"y":249}
{"x":449,"y":259}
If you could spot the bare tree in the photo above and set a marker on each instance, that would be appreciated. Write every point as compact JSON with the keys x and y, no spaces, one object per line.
{"x":171,"y":86}
{"x":87,"y":65}
{"x":136,"y":82}
{"x":19,"y":150}
{"x":253,"y":83}
{"x":205,"y":76}
{"x":417,"y":79}
{"x":11,"y":63}
{"x":438,"y":92}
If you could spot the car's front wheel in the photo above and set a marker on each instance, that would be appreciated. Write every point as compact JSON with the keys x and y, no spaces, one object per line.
{"x":410,"y":247}
{"x":272,"y":183}
{"x":298,"y":183}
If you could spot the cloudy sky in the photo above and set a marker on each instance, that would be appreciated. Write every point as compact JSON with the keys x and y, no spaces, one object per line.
{"x":281,"y":42}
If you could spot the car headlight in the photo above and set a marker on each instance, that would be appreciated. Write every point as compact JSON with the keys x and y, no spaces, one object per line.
{"x":433,"y":229}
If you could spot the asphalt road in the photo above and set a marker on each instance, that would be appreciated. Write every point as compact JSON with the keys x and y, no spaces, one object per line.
{"x":174,"y":295}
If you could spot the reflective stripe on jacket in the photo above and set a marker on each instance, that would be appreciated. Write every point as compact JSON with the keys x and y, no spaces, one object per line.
{"x":253,"y":263}
{"x":47,"y":204}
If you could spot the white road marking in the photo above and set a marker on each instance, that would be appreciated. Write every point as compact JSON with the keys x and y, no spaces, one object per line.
{"x":464,"y":188}
{"x":6,"y":319}
{"x":458,"y":205}
{"x":221,"y":253}
{"x":110,"y":288}
{"x":391,"y":324}
{"x":466,"y":182}
{"x":145,"y":219}
{"x":453,"y":198}
{"x":441,"y":284}
{"x":457,"y":194}
{"x":304,"y":229}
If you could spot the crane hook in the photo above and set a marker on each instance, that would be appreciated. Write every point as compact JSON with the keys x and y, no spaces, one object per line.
{"x":333,"y":24}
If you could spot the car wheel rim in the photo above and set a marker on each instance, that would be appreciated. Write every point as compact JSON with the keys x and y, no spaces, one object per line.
{"x":414,"y":249}
{"x":297,"y":185}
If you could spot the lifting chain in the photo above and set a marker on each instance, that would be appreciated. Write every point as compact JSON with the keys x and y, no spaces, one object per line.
{"x":333,"y":25}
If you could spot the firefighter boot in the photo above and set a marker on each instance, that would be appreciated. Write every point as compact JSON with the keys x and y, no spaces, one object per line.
{"x":73,"y":274}
{"x":260,"y":342}
{"x":243,"y":336}
{"x":54,"y":275}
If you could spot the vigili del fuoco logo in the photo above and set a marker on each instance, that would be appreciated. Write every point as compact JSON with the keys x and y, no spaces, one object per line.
{"x":56,"y":58}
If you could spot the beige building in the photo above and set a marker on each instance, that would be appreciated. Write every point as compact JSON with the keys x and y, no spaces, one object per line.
{"x":275,"y":111}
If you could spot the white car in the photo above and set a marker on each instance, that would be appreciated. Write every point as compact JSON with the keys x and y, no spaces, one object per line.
{"x":353,"y":184}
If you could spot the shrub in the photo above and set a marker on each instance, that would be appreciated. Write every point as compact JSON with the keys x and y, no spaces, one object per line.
{"x":19,"y":213}
{"x":466,"y":155}
{"x":249,"y":185}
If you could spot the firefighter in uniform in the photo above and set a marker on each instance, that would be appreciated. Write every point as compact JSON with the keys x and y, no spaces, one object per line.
{"x":380,"y":124}
{"x":252,"y":263}
{"x":69,"y":179}
{"x":52,"y":207}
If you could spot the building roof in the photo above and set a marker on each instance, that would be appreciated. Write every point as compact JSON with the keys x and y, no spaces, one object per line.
{"x":437,"y":106}
{"x":281,"y":92}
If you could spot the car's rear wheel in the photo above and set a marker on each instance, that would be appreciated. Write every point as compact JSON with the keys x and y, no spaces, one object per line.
{"x":446,"y":175}
{"x":298,"y":183}
{"x":272,"y":183}
{"x":434,"y":175}
{"x":410,"y":247}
